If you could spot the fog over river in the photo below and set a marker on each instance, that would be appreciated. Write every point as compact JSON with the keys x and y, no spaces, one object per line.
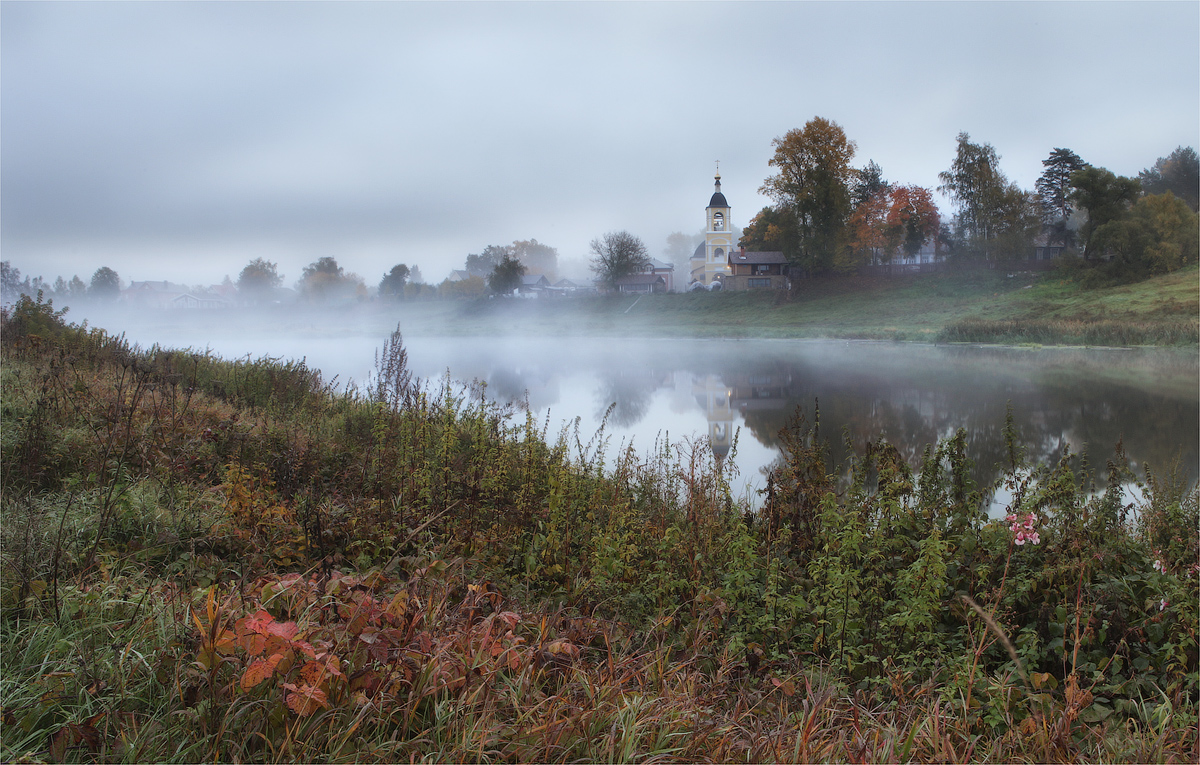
{"x":746,"y":390}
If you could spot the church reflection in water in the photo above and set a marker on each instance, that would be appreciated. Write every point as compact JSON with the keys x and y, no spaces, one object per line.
{"x":911,"y":395}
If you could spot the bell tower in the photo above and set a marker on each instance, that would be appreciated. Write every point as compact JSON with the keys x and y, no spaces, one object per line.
{"x":718,"y":236}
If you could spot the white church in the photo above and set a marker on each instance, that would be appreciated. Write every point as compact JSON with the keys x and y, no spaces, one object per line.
{"x":716,"y":265}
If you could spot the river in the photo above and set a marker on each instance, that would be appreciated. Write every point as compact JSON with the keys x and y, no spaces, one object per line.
{"x":739,"y":394}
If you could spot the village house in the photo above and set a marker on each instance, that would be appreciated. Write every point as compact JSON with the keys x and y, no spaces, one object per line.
{"x":757,"y":271}
{"x":641,"y":283}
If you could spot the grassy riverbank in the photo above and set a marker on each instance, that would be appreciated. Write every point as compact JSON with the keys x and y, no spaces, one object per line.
{"x":214,"y":560}
{"x":973,"y":306}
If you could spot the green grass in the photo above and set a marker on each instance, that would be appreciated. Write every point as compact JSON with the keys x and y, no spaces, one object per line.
{"x":1163,"y":311}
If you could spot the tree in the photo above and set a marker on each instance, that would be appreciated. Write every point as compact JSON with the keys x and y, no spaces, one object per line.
{"x":618,"y":254}
{"x":1105,"y":197}
{"x":77,"y":287}
{"x":977,"y":186}
{"x":679,"y":249}
{"x":771,"y":230}
{"x":1157,"y":236}
{"x":10,"y":282}
{"x":893,"y":219}
{"x":258,"y":280}
{"x":1054,"y":189}
{"x":324,"y":279}
{"x":415,"y":276}
{"x":869,"y":237}
{"x":537,"y":258}
{"x":482,"y":265}
{"x":912,"y":218}
{"x":812,"y":185}
{"x":1016,"y":223}
{"x":471,"y":287}
{"x":506,"y":276}
{"x":392,"y":284}
{"x":867,"y":184}
{"x":1178,"y":173}
{"x":106,"y":285}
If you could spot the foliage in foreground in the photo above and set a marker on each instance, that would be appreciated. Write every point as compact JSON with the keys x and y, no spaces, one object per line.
{"x":230,"y":560}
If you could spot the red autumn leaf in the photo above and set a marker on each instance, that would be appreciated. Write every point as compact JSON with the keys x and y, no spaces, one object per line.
{"x":259,"y":670}
{"x":305,"y":700}
{"x":285,"y":630}
{"x":259,"y":622}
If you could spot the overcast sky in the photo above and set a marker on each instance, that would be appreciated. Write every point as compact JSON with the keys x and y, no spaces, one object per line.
{"x":180,"y":140}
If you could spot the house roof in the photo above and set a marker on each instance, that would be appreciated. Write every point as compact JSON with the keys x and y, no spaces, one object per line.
{"x":534,"y":280}
{"x":641,"y":279}
{"x":699,"y":253}
{"x":659,"y":265}
{"x":159,"y":286}
{"x":757,"y":258}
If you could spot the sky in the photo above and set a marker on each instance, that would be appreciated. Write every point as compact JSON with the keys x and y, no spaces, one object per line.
{"x":181,"y":140}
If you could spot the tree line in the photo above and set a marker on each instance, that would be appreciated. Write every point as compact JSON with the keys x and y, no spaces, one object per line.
{"x":831,"y":217}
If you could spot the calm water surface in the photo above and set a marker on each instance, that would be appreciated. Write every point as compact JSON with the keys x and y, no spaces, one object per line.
{"x":739,"y":394}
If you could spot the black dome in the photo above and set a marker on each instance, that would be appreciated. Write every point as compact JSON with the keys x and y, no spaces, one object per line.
{"x":699,"y":253}
{"x":718,"y":200}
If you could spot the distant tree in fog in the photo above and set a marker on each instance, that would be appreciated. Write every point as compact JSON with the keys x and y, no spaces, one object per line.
{"x":471,"y":287}
{"x":506,"y":276}
{"x":414,"y":275}
{"x":618,"y":254}
{"x":392,"y":285}
{"x":10,"y":282}
{"x":482,"y":265}
{"x":679,"y":250}
{"x":1178,"y":173}
{"x":537,"y":258}
{"x":77,"y":287}
{"x":106,"y":285}
{"x":324,"y":279}
{"x":258,"y":279}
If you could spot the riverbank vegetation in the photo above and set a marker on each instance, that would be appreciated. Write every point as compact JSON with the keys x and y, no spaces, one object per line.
{"x":965,"y":306}
{"x":232,"y":560}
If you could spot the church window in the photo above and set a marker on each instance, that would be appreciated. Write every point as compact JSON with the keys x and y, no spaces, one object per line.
{"x":718,"y":253}
{"x":718,"y":222}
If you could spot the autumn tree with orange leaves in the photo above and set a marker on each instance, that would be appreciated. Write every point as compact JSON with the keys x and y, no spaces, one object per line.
{"x":912,"y":218}
{"x":812,"y":186}
{"x":894,"y":219}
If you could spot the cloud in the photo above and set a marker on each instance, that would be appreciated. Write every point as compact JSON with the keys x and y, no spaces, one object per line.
{"x":419,"y":132}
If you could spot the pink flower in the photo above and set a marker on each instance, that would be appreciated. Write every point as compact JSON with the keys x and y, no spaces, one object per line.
{"x":1162,"y":604}
{"x":1022,"y":526}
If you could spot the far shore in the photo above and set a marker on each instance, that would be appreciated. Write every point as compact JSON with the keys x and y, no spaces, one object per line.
{"x":1023,"y":310}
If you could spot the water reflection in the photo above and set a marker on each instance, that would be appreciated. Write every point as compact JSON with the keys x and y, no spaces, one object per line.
{"x":911,"y":395}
